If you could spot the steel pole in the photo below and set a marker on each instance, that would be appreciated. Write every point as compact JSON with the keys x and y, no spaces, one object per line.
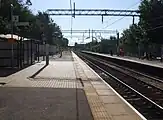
{"x":43,"y":52}
{"x":133,"y":20}
{"x":47,"y":54}
{"x":12,"y":30}
{"x":117,"y":42}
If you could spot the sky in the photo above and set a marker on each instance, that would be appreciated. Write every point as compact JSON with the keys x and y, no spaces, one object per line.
{"x":87,"y":22}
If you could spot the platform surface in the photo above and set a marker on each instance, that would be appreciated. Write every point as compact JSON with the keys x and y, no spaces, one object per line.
{"x":155,"y":63}
{"x":67,"y":89}
{"x":105,"y":102}
{"x":134,"y":59}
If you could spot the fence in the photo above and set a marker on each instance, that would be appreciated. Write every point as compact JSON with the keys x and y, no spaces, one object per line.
{"x":25,"y":52}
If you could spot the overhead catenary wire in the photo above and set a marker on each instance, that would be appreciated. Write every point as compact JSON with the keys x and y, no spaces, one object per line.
{"x":155,"y":28}
{"x":150,"y":20}
{"x":121,"y":17}
{"x":154,"y":19}
{"x":114,"y":22}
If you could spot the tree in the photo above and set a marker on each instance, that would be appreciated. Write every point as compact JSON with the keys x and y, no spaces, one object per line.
{"x":149,"y":29}
{"x":132,"y":38}
{"x":152,"y":19}
{"x":113,"y":38}
{"x":40,"y":24}
{"x":152,"y":22}
{"x":50,"y":30}
{"x":65,"y":42}
{"x":18,"y":9}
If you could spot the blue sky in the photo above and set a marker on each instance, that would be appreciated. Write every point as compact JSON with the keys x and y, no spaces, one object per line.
{"x":86,"y":22}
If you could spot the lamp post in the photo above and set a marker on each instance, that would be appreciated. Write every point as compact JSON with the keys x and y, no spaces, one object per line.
{"x":44,"y":43}
{"x":47,"y":54}
{"x":117,"y":42}
{"x":12,"y":30}
{"x":45,"y":49}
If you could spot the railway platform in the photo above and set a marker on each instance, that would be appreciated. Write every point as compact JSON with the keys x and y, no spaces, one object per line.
{"x":157,"y":63}
{"x":149,"y":67}
{"x":154,"y":63}
{"x":66,"y":89}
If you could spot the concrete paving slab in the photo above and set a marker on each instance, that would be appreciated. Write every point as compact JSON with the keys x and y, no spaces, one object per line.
{"x":37,"y":104}
{"x":116,"y":109}
{"x":110,"y":99}
{"x":58,"y":69}
{"x":20,"y":79}
{"x":84,"y":111}
{"x":101,"y":87}
{"x":105,"y":92}
{"x":125,"y":117}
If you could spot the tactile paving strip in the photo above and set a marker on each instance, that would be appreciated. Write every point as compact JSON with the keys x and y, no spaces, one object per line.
{"x":55,"y":83}
{"x":98,"y":110}
{"x":97,"y":107}
{"x":51,"y":78}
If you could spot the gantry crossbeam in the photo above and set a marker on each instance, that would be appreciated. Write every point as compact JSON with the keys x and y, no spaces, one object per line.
{"x":92,"y":12}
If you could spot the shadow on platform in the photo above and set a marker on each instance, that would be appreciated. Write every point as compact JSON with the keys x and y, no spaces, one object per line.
{"x":4,"y":72}
{"x":44,"y":104}
{"x":35,"y":74}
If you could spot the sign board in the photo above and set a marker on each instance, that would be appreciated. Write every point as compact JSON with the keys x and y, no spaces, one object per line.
{"x":11,"y":40}
{"x":22,"y":24}
{"x":15,"y":18}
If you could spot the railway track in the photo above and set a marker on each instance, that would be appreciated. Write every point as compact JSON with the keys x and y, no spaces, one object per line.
{"x":146,"y":98}
{"x":151,"y":81}
{"x":155,"y":81}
